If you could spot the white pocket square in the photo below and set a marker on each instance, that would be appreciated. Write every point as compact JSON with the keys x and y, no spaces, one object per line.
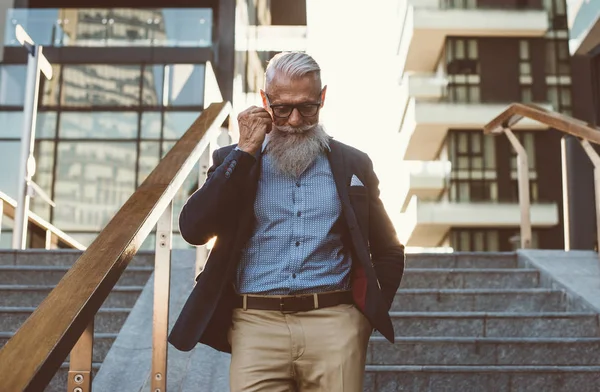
{"x":355,"y":181}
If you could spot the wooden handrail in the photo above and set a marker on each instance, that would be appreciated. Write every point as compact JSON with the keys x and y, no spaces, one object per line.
{"x":10,"y":206}
{"x":516,"y":111}
{"x":29,"y":360}
{"x":585,"y":132}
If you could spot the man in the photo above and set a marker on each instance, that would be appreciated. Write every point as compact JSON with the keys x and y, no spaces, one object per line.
{"x":306,"y":261}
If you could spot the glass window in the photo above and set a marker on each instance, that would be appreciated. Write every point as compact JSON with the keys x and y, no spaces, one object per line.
{"x":465,"y":241}
{"x":98,"y":125}
{"x":152,"y":85}
{"x":473,"y":54}
{"x":93,"y":25}
{"x":12,"y":84}
{"x":93,"y":180}
{"x":463,"y":143}
{"x":459,"y":49}
{"x":6,"y":230}
{"x":563,"y":50}
{"x":10,"y":153}
{"x":148,"y":159}
{"x":526,"y":94}
{"x":177,"y":123}
{"x":477,"y":164}
{"x":525,"y":68}
{"x":44,"y":159}
{"x":46,"y":125}
{"x":464,"y":191}
{"x":565,"y":95}
{"x":184,"y":84}
{"x":187,"y":27}
{"x":12,"y":124}
{"x":50,"y":88}
{"x":479,"y":241}
{"x":101,"y":85}
{"x":550,"y":58}
{"x":493,"y":243}
{"x":489,"y":152}
{"x":151,"y":125}
{"x":474,"y":94}
{"x":475,"y":142}
{"x":524,"y":50}
{"x":553,"y":97}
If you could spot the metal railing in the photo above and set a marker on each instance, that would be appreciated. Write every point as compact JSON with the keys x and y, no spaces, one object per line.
{"x":63,"y":323}
{"x":54,"y":237}
{"x":585,"y":132}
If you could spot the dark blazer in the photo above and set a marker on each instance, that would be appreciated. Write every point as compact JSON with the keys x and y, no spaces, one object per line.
{"x":224,"y":207}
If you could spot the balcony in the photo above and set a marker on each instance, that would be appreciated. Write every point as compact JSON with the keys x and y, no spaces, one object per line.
{"x":584,"y":26}
{"x":112,"y":27}
{"x":425,"y":179}
{"x":427,"y":23}
{"x":426,"y":223}
{"x":427,"y":115}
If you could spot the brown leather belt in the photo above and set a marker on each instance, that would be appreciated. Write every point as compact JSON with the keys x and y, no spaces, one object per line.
{"x":296,"y":303}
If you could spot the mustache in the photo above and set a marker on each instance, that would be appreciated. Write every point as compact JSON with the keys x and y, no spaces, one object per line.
{"x":294,"y":130}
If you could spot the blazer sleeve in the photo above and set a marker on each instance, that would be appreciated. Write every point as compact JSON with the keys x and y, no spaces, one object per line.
{"x":387,"y":253}
{"x":213,"y":205}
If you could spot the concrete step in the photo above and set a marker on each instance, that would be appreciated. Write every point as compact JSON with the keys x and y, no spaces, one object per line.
{"x":65,"y":257}
{"x":462,"y":260}
{"x":107,"y":320}
{"x":59,"y":381}
{"x":480,"y":300}
{"x":496,"y":324}
{"x":51,"y":275}
{"x":32,"y":295}
{"x":482,"y":378}
{"x":470,"y":278}
{"x":468,"y":351}
{"x":102,"y":343}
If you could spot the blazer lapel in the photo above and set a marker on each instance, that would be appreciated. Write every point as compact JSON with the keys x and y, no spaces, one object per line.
{"x":247,"y":213}
{"x":338,"y":169}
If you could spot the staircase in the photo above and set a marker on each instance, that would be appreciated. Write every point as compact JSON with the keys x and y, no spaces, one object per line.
{"x":477,"y":322}
{"x":26,"y":278}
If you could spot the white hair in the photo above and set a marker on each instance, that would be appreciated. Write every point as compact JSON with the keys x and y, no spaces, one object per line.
{"x":293,"y":64}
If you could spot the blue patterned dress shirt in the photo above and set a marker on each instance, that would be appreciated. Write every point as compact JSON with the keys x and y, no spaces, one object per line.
{"x":296,"y":246}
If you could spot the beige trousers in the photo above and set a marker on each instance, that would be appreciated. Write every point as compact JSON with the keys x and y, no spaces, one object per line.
{"x":319,"y":350}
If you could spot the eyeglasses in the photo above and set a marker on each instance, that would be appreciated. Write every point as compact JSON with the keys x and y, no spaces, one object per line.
{"x":284,"y":111}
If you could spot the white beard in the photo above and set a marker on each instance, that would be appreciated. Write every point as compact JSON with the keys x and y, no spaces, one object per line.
{"x":293,"y":150}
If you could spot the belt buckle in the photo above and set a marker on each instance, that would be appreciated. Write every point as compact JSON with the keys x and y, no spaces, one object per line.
{"x":281,"y":304}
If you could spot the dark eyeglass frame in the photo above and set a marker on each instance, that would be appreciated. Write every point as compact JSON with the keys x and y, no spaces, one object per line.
{"x":291,"y":108}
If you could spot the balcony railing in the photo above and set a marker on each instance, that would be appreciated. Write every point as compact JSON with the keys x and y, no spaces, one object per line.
{"x":102,"y":27}
{"x":491,"y":4}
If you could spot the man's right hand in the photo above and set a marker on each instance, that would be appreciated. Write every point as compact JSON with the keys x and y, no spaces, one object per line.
{"x":254,"y":124}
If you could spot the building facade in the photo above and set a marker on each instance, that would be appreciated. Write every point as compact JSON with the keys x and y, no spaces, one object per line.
{"x":129,"y":79}
{"x":463,"y":62}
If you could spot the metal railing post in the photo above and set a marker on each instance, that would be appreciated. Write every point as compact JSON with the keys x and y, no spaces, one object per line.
{"x":595,"y":158}
{"x":523,"y":181}
{"x":162,"y":287}
{"x":80,"y":362}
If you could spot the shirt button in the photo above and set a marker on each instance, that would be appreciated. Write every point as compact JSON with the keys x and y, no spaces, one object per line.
{"x":298,"y":184}
{"x":294,"y":276}
{"x":299,"y":213}
{"x":297,"y":243}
